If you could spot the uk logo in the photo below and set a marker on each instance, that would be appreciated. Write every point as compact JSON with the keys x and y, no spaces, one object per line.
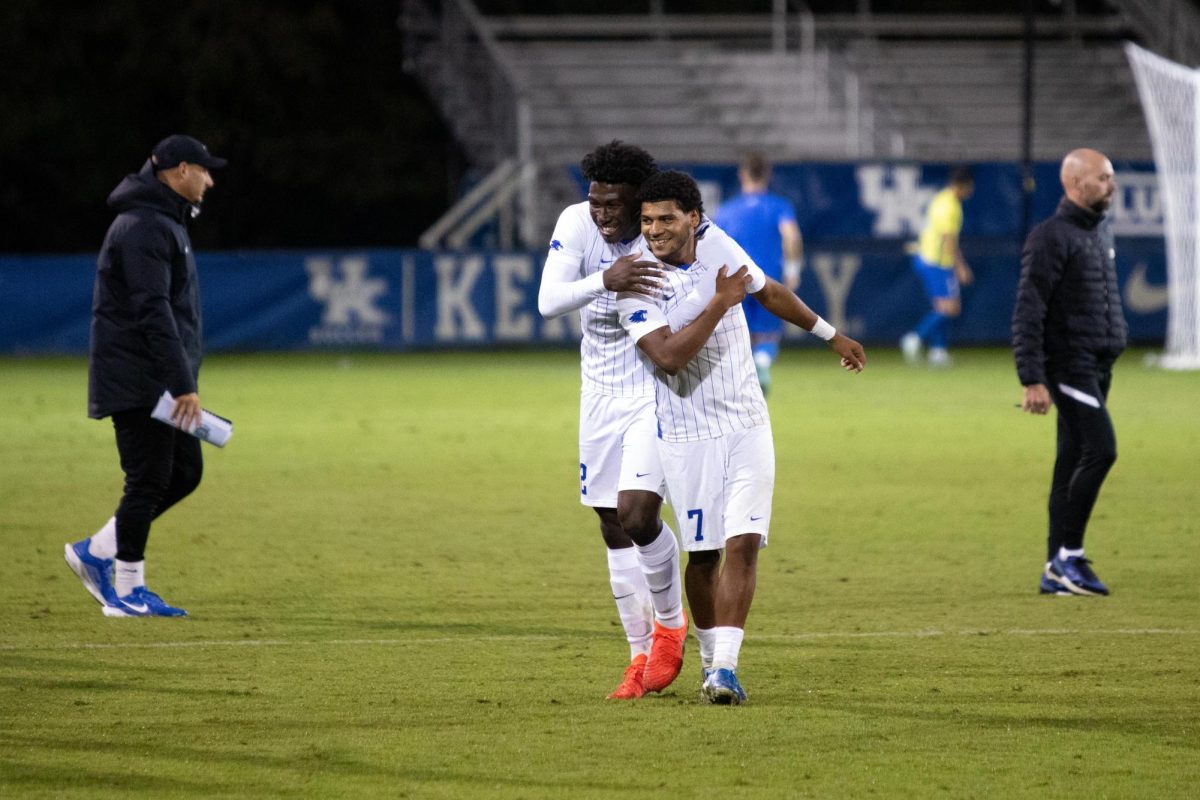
{"x":897,"y":197}
{"x":638,"y":316}
{"x":351,"y":314}
{"x":555,"y":244}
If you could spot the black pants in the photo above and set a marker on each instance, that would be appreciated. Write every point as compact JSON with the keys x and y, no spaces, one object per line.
{"x":162,"y":466}
{"x":1087,"y":448}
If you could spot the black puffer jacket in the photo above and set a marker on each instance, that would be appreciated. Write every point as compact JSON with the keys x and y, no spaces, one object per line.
{"x":146,"y":328}
{"x":1068,"y":319}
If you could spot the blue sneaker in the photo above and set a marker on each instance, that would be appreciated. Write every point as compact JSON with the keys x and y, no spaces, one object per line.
{"x":1075,"y":574}
{"x":96,"y":573}
{"x":722,"y":688}
{"x":1049,"y":586}
{"x":142,"y":602}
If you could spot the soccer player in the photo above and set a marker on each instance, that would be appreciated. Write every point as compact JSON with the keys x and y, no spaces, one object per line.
{"x":764,"y":224}
{"x":715,"y":433}
{"x":591,"y":256}
{"x":1068,"y":331}
{"x":940,"y":265}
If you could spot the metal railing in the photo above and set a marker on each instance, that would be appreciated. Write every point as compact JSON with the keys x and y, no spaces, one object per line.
{"x":455,"y":52}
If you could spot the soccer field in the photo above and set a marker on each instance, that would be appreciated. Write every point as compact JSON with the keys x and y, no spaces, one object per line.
{"x":395,"y":593}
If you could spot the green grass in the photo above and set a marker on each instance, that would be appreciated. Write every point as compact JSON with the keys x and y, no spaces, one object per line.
{"x":395,"y":593}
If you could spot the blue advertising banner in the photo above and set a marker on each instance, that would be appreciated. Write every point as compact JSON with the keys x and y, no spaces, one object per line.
{"x":410,"y":299}
{"x":856,"y":219}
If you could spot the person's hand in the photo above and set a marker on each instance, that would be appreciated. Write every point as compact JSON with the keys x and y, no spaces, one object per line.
{"x":853,"y":357}
{"x":627,"y":274}
{"x":1037,"y":399}
{"x":731,"y":289}
{"x":186,"y":413}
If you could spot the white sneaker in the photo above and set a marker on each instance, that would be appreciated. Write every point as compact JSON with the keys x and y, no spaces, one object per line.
{"x":939,"y":357}
{"x":910,"y":346}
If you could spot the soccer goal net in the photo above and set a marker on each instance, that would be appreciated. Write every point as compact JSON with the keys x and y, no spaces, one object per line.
{"x":1170,"y":97}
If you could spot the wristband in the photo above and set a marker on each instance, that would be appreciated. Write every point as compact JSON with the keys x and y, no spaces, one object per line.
{"x":792,"y":269}
{"x":823,"y":329}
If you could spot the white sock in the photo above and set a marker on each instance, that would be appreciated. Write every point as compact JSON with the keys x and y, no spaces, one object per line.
{"x":103,"y":543}
{"x":726,"y":644}
{"x":705,"y":637}
{"x":633,"y":599}
{"x":130,"y":575}
{"x":660,"y":565}
{"x":1064,"y":553}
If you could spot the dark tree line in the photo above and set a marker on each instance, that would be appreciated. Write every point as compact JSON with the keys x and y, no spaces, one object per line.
{"x":329,"y":142}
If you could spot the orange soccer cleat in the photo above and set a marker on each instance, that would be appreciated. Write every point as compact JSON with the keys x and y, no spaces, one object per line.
{"x":666,"y":656}
{"x":631,"y":688}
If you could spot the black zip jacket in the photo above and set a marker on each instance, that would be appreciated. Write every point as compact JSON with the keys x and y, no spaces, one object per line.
{"x":1068,"y":319}
{"x":146,"y":327}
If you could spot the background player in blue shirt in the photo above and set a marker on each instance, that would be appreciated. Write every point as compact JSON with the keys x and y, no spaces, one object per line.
{"x":764,"y":224}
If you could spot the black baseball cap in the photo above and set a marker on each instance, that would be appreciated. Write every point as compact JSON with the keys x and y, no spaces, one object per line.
{"x":174,"y":150}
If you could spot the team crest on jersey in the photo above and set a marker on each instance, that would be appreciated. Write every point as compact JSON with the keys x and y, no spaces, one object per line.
{"x":638,"y":316}
{"x":555,"y":244}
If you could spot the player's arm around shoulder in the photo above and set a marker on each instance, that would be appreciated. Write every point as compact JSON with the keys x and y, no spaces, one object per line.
{"x":783,"y":303}
{"x":672,"y":350}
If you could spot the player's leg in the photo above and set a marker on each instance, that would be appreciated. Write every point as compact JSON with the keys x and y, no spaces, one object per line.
{"x":695,"y":474}
{"x":946,"y":306}
{"x":639,"y":503}
{"x":766,"y":331}
{"x":750,"y":469}
{"x":600,"y":435}
{"x":700,"y":577}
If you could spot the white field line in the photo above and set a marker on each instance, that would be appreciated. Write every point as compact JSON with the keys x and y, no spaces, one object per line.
{"x":424,"y":641}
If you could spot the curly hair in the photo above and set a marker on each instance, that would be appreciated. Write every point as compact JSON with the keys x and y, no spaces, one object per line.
{"x":672,"y":185}
{"x":617,"y":162}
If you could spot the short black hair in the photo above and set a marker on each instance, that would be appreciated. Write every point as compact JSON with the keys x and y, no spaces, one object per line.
{"x":672,"y":185}
{"x":618,"y":162}
{"x":961,"y":175}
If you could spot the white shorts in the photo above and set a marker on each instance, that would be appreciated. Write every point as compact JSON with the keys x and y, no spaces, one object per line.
{"x":618,"y":448}
{"x":721,"y":488}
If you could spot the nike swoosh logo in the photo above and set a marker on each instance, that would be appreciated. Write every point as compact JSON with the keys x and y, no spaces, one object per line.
{"x":642,"y":474}
{"x":136,"y":607}
{"x":667,"y":296}
{"x":1141,"y":295}
{"x":754,"y":518}
{"x":606,"y":261}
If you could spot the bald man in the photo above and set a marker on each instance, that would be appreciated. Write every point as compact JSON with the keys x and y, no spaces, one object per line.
{"x":1068,"y":330}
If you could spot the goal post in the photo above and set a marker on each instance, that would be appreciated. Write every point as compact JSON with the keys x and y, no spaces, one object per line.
{"x":1170,"y":98}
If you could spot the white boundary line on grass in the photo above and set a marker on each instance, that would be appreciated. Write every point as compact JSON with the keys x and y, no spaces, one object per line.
{"x":784,"y":637}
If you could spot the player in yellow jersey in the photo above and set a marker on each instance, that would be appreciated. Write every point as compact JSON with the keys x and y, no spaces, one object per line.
{"x":939,"y":264}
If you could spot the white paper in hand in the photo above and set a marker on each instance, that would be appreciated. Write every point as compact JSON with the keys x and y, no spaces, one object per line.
{"x":212,"y":428}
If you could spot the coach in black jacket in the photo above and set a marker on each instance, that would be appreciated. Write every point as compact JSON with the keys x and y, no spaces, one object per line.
{"x":1068,"y":330}
{"x":146,"y":339}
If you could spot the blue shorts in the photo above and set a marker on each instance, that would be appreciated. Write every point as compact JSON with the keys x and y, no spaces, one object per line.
{"x":940,"y":283}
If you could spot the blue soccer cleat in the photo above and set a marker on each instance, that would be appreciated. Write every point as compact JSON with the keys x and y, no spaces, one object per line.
{"x":721,"y":688}
{"x":1075,"y":574}
{"x":1048,"y":586}
{"x":96,"y":573}
{"x":142,"y":602}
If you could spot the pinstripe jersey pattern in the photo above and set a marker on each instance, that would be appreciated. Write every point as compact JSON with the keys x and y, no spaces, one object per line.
{"x":610,"y":363}
{"x":717,"y":392}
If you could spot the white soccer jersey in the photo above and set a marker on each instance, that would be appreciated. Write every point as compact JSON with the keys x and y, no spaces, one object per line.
{"x":572,"y":279}
{"x":717,"y":392}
